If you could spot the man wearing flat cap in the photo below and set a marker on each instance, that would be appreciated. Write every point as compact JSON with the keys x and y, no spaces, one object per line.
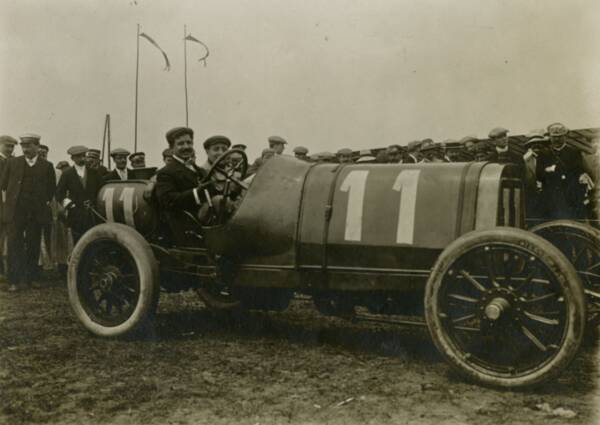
{"x":277,"y":144}
{"x":214,"y":146}
{"x":93,"y":161}
{"x":301,"y":153}
{"x":178,"y":183}
{"x":344,"y":156}
{"x":28,"y":183}
{"x":564,"y":181}
{"x":120,"y":172}
{"x":137,"y":160}
{"x":167,"y":156}
{"x":239,"y":146}
{"x":77,"y":191}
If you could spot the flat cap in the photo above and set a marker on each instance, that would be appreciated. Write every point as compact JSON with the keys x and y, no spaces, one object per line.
{"x":61,"y":165}
{"x":133,"y":155}
{"x":323,"y":156}
{"x":215,"y":140}
{"x":167,"y":152}
{"x":93,"y":153}
{"x":77,"y":150}
{"x":30,"y":138}
{"x":557,"y":129}
{"x":497,"y":132}
{"x":7,"y":140}
{"x":467,"y":139}
{"x":301,"y":150}
{"x":344,"y":151}
{"x":119,"y":151}
{"x":239,"y":146}
{"x":45,"y":147}
{"x":277,"y":139}
{"x":173,"y":133}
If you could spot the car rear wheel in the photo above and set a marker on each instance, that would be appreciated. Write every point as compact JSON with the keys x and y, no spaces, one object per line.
{"x":505,"y":308}
{"x":580,"y":243}
{"x":113,"y":280}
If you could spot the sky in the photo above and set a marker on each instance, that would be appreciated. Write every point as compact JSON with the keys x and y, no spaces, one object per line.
{"x":324,"y":75}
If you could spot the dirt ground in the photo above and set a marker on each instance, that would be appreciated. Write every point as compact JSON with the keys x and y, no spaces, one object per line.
{"x":261,"y":368}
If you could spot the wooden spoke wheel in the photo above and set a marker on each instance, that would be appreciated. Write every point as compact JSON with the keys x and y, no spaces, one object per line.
{"x":505,"y":308}
{"x":580,"y":243}
{"x":113,"y":280}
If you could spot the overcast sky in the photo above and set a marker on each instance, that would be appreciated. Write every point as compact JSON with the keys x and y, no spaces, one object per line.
{"x":323,"y":74}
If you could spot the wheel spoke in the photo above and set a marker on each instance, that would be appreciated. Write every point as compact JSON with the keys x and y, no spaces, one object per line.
{"x":541,"y":298}
{"x":593,"y":267}
{"x":541,"y":319}
{"x":527,"y":280}
{"x":464,"y":318}
{"x":472,"y":280}
{"x":490,"y":265}
{"x":534,"y":339}
{"x":463,"y":298}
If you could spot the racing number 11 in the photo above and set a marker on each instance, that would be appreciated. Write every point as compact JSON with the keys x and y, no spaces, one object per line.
{"x":406,"y":184}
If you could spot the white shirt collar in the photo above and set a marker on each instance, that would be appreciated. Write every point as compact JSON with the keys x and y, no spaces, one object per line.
{"x":189,"y":163}
{"x":122,"y":173}
{"x":31,"y":162}
{"x":501,"y":149}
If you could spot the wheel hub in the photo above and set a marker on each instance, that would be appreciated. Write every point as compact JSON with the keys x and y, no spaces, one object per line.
{"x":496,"y":307}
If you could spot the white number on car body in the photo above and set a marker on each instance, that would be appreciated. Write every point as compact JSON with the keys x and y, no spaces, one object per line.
{"x":406,"y":184}
{"x":107,"y":197}
{"x":127,"y":198}
{"x":355,"y":184}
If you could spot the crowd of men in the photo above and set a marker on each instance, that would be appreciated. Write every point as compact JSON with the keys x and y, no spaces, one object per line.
{"x":45,"y":210}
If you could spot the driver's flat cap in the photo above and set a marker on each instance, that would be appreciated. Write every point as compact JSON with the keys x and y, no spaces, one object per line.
{"x":119,"y":151}
{"x":215,"y":140}
{"x":497,"y":132}
{"x":344,"y":151}
{"x":93,"y":153}
{"x":174,"y":133}
{"x":239,"y":146}
{"x":277,"y":140}
{"x":7,"y":140}
{"x":77,"y":150}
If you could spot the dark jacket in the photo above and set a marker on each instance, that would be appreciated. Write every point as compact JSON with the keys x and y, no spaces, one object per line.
{"x":113,"y":175}
{"x":175,"y":184}
{"x":10,"y":183}
{"x":71,"y":186}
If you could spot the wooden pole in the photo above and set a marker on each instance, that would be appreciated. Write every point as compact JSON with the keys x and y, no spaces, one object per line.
{"x":185,"y":74}
{"x":137,"y":73}
{"x":108,"y":137}
{"x":103,"y":140}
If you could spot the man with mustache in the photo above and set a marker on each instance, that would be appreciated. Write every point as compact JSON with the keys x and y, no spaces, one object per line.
{"x":177,"y":183}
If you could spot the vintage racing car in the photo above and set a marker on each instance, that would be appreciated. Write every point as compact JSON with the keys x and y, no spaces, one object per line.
{"x":375,"y":242}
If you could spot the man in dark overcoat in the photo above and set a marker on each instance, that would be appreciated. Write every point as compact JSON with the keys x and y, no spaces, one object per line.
{"x":28,"y":182}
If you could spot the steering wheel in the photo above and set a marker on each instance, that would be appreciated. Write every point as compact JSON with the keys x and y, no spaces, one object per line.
{"x":224,"y":176}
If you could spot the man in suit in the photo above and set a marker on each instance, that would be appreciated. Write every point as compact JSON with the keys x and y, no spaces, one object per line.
{"x":77,"y":191}
{"x":121,"y":172}
{"x":177,"y":184}
{"x":560,"y":170}
{"x":7,"y":146}
{"x":28,"y":183}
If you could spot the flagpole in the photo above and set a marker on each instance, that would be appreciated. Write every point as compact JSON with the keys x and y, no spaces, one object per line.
{"x":137,"y":73}
{"x":108,"y":138}
{"x":185,"y":74}
{"x":103,"y":141}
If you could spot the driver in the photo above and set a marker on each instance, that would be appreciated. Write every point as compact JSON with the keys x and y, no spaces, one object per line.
{"x":177,"y":184}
